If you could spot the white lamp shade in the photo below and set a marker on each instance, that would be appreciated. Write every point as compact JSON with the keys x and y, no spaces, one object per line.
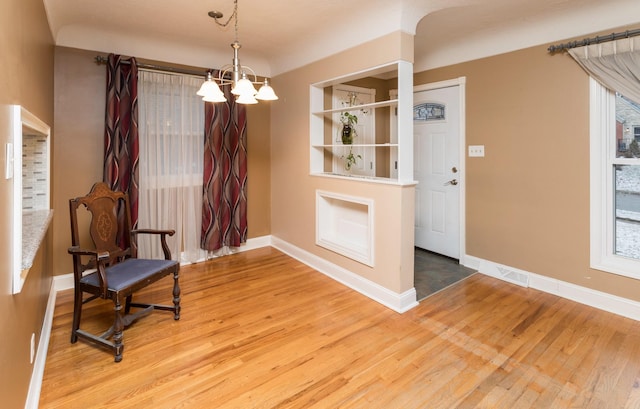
{"x":214,"y":98}
{"x":246,"y":99}
{"x":266,"y":93}
{"x":207,"y":86}
{"x":244,"y":87}
{"x":210,"y":91}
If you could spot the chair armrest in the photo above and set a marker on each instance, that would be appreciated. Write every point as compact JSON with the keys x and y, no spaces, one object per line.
{"x":101,"y":257}
{"x":169,"y":232}
{"x":76,"y":250}
{"x":163,"y":238}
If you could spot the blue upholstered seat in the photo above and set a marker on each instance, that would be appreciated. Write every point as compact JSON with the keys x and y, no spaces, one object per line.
{"x":128,"y":273}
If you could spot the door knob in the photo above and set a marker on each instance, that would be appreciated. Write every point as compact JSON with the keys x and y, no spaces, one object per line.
{"x":451,"y":182}
{"x":454,"y":169}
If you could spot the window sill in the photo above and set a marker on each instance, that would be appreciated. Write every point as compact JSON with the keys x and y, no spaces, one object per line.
{"x":34,"y":227}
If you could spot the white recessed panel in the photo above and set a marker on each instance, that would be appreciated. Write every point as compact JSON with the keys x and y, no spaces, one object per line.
{"x":344,"y":224}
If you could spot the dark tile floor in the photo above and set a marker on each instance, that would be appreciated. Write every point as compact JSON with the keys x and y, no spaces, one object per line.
{"x":433,"y":272}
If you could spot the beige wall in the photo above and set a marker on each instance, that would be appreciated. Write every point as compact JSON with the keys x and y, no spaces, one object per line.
{"x":528,"y":198}
{"x":26,"y":78}
{"x":79,"y":117}
{"x":293,"y":190}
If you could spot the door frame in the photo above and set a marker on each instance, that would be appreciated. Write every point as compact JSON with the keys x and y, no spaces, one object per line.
{"x":460,"y":82}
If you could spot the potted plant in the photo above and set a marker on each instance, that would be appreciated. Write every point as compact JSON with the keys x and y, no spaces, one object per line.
{"x":350,"y":159}
{"x":348,"y":127}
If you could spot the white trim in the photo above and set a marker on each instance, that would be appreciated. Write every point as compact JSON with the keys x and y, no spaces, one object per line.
{"x":63,"y":282}
{"x":602,"y":153}
{"x":440,"y":84}
{"x":461,"y":83}
{"x":583,"y":295}
{"x":35,"y":385}
{"x":22,"y":118}
{"x":399,"y":302}
{"x":16,"y":238}
{"x":255,"y":243}
{"x":329,"y":214}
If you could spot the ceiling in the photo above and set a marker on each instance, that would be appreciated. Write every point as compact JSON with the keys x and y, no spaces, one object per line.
{"x":279,"y":35}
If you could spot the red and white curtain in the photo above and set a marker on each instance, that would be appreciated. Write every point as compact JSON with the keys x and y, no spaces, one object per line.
{"x":224,"y":190}
{"x":121,"y":130}
{"x":224,"y":205}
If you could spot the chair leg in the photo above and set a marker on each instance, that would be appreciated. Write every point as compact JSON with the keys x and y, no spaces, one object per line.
{"x":77,"y":312}
{"x":118,"y":328}
{"x":176,"y":296}
{"x":127,"y":305}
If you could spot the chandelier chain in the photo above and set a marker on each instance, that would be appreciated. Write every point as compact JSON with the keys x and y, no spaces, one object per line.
{"x":234,"y":14}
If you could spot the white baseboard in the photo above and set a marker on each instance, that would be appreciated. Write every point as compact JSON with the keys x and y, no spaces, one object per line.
{"x":35,"y":385}
{"x":397,"y":302}
{"x":583,"y":295}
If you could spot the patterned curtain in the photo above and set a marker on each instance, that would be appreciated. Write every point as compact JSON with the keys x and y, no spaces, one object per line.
{"x":224,"y":205}
{"x":121,"y":146}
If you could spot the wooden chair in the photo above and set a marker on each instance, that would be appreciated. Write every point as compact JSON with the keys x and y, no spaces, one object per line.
{"x":111,"y":269}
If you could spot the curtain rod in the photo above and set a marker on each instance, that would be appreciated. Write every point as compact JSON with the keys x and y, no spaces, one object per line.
{"x":102,"y":60}
{"x":593,"y":40}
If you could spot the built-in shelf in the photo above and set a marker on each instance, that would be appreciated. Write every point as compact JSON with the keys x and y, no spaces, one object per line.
{"x":381,"y":98}
{"x":387,"y":145}
{"x":372,"y":105}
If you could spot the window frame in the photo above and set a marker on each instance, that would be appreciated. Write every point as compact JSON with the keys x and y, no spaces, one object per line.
{"x":603,"y":146}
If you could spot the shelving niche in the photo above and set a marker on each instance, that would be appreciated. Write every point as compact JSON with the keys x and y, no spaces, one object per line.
{"x":382,"y":147}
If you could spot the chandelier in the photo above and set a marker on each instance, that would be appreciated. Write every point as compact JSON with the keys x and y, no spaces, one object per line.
{"x":235,"y":74}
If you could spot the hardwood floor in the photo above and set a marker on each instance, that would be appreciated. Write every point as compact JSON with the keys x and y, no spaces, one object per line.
{"x":261,"y":330}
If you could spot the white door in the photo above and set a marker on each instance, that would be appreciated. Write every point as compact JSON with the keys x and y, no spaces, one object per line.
{"x":436,"y":127}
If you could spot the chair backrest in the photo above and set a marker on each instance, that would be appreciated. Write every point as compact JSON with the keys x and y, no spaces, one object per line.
{"x":110,"y":221}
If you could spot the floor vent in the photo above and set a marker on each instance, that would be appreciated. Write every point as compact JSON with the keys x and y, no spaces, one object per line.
{"x":514,"y":276}
{"x":509,"y":274}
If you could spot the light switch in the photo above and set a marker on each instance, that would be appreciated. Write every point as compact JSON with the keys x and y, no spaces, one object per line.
{"x":476,"y":151}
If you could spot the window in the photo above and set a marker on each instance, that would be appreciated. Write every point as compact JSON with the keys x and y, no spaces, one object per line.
{"x":615,"y":183}
{"x":171,"y":124}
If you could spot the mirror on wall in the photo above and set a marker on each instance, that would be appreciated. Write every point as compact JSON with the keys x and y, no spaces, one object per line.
{"x":29,"y":152}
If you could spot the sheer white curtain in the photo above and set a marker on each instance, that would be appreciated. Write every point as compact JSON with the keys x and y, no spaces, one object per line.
{"x":614,"y":64}
{"x":171,"y":128}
